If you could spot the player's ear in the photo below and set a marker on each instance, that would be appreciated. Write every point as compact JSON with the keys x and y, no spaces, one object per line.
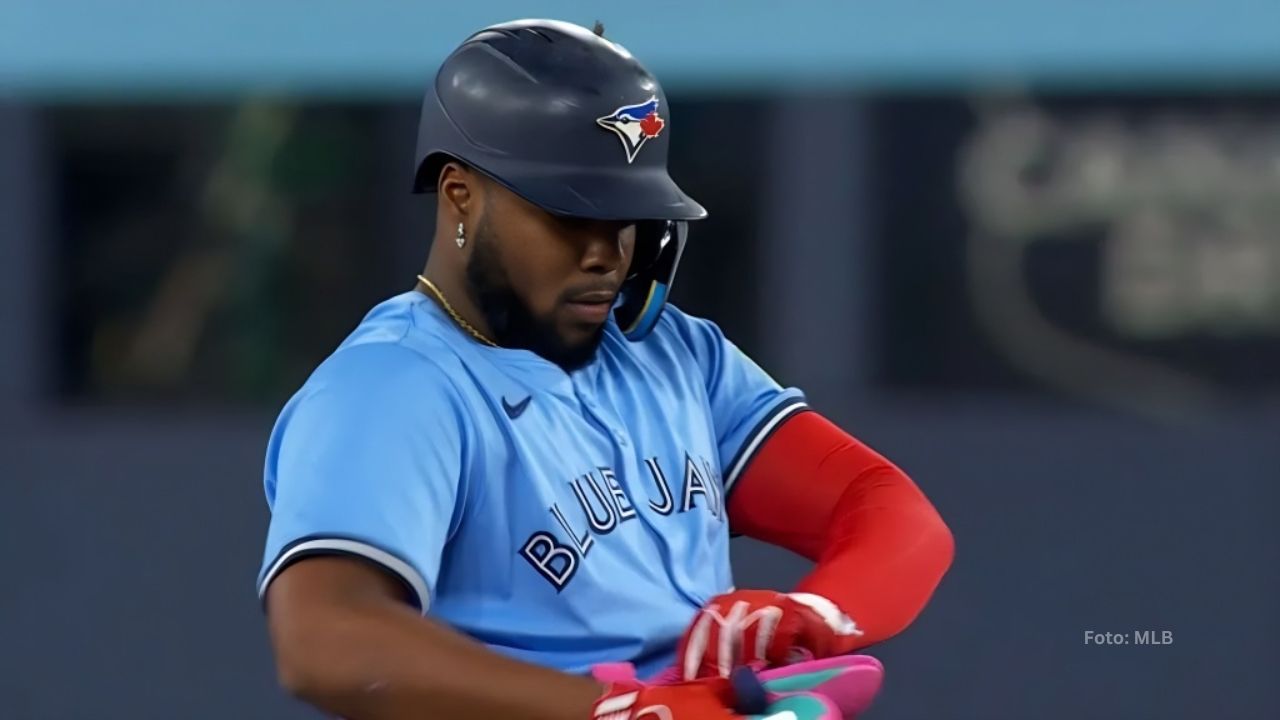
{"x":457,"y":188}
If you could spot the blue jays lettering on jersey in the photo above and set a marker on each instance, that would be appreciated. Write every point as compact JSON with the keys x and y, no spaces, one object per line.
{"x":561,"y":518}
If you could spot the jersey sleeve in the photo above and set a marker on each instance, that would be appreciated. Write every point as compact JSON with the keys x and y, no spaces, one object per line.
{"x":366,"y":460}
{"x":747,"y":404}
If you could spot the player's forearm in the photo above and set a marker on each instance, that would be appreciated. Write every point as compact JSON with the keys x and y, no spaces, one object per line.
{"x":381,"y":661}
{"x":887,"y":552}
{"x":880,"y":546}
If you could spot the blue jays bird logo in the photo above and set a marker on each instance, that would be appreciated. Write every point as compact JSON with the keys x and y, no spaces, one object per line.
{"x":634,"y":124}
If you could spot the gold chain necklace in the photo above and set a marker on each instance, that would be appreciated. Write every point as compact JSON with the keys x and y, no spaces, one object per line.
{"x":453,"y":313}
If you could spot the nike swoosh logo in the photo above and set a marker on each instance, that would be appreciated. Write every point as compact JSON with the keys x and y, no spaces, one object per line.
{"x":515,"y":411}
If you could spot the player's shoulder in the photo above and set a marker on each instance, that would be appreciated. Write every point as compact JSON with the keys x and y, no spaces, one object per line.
{"x":396,"y":347}
{"x":676,"y":319}
{"x":686,"y":330}
{"x":678,"y":340}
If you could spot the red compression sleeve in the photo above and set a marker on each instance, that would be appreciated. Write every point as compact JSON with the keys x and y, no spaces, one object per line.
{"x":881,"y":548}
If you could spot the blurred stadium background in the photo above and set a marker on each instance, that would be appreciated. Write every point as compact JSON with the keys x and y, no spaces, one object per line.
{"x":1029,"y":250}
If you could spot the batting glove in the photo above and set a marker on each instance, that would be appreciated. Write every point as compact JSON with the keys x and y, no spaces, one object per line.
{"x":741,"y":696}
{"x":747,"y":627}
{"x":849,"y":682}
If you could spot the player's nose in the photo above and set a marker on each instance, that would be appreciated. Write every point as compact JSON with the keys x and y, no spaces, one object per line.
{"x":606,"y":246}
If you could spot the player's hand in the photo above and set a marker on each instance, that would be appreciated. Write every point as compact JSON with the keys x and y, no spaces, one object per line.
{"x":739,"y":697}
{"x":848,"y":682}
{"x":762,"y":627}
{"x":629,"y":699}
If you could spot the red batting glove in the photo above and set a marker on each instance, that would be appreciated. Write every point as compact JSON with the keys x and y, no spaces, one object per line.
{"x":750,"y":627}
{"x":847,"y":684}
{"x":706,"y":699}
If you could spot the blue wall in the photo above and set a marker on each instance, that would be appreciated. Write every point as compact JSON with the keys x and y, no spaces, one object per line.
{"x":59,"y":47}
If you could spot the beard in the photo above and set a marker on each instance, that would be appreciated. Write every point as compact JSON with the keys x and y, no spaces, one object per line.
{"x":513,"y":324}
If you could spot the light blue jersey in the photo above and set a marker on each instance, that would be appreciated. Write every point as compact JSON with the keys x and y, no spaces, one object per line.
{"x":561,"y":518}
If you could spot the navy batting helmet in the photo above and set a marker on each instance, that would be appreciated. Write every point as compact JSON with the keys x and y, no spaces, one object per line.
{"x":574,"y":124}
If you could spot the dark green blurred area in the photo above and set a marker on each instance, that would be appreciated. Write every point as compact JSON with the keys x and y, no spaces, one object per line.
{"x":217,"y":253}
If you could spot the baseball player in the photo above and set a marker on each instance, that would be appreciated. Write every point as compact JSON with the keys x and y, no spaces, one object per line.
{"x":531,"y":464}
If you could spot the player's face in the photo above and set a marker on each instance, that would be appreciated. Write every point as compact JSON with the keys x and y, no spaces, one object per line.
{"x":546,"y":283}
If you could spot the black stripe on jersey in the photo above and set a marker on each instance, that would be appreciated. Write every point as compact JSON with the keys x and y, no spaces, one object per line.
{"x":293,"y":555}
{"x":755,"y":439}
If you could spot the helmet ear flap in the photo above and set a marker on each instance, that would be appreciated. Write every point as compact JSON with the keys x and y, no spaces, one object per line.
{"x":644,"y":294}
{"x":649,"y":238}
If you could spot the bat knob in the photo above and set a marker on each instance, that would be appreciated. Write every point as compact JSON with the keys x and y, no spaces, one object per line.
{"x":750,"y":697}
